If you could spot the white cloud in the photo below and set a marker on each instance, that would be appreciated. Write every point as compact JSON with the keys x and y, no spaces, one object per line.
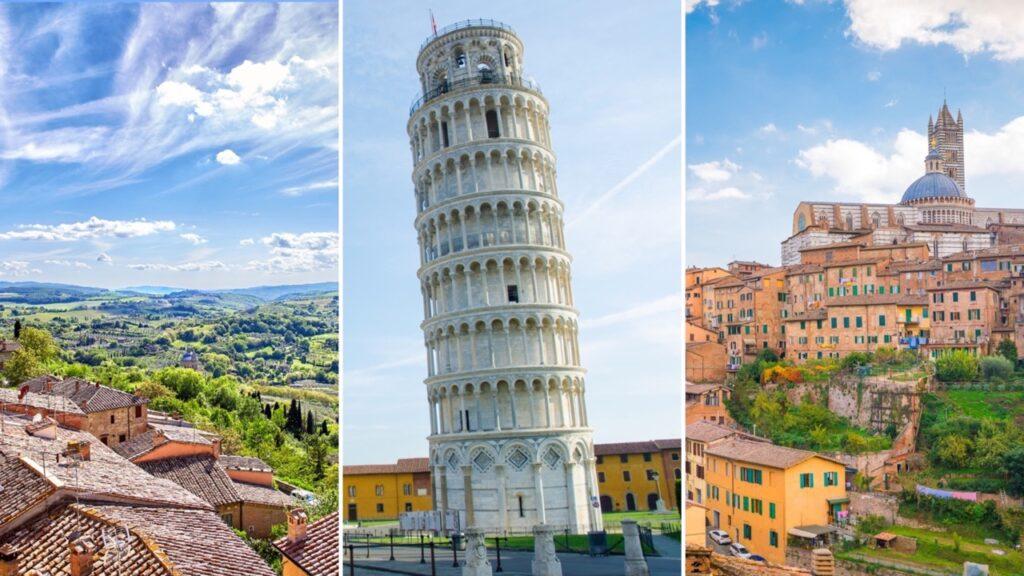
{"x":186,"y":267}
{"x":714,"y":171}
{"x":193,"y":238}
{"x":90,"y":229}
{"x":969,"y":26}
{"x":228,"y":157}
{"x":633,"y":313}
{"x":768,"y":128}
{"x":17,"y":268}
{"x":874,"y":76}
{"x":891,"y":103}
{"x":304,"y":252}
{"x":692,"y":5}
{"x":759,"y":41}
{"x":699,"y":194}
{"x":807,"y":129}
{"x":68,"y":263}
{"x":104,"y":258}
{"x":300,"y":190}
{"x":247,"y":242}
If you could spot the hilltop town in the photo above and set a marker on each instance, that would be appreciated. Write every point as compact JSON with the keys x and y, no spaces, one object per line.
{"x":866,"y":397}
{"x":116,"y":455}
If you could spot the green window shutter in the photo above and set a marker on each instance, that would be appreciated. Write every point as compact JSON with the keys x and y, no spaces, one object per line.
{"x":746,"y":504}
{"x":831,"y":292}
{"x":846,"y":322}
{"x":834,"y":322}
{"x":773,"y":539}
{"x":860,"y":322}
{"x":746,"y":532}
{"x":771,"y":510}
{"x":881,"y":319}
{"x":819,"y":324}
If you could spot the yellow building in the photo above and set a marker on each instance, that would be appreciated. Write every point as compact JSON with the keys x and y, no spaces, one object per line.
{"x":635,"y":475}
{"x":695,"y":535}
{"x":384,"y":491}
{"x":763,"y":494}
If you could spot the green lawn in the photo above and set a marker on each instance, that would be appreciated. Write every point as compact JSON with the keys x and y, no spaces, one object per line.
{"x":986,"y":404}
{"x":614,"y":519}
{"x":937,"y":550}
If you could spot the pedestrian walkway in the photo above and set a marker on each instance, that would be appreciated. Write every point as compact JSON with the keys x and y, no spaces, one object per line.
{"x":517,"y":563}
{"x":668,"y":547}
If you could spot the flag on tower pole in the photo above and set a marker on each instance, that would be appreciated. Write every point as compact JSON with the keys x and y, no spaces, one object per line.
{"x":433,"y":23}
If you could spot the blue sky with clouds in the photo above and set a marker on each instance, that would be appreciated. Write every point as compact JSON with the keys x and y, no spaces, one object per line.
{"x":612,"y":77}
{"x":189,"y":145}
{"x":814,"y":100}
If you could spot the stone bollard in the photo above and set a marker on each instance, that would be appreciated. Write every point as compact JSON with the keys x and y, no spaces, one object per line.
{"x":972,"y":569}
{"x":476,"y":563}
{"x":545,"y":561}
{"x":822,"y":562}
{"x":635,"y":563}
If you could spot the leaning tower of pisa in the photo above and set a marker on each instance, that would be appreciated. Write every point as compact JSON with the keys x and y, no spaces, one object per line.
{"x":510,"y":444}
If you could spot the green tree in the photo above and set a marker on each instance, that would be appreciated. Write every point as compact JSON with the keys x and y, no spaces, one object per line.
{"x":996,"y":367}
{"x":39,"y":343}
{"x":1008,"y":349}
{"x":956,"y":366}
{"x":317,"y":450}
{"x":1013,"y":466}
{"x":22,"y":366}
{"x":187,"y":384}
{"x":954,"y":451}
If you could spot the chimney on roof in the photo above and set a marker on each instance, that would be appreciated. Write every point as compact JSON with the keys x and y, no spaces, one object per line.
{"x":81,"y":551}
{"x":79,"y":448}
{"x":216,"y":447}
{"x":8,"y":560}
{"x":297,"y":520}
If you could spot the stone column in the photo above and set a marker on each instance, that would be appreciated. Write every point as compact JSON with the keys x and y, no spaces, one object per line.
{"x":499,"y":472}
{"x":596,"y":522}
{"x":443,"y":474}
{"x":476,"y":563}
{"x":467,"y":490}
{"x":635,"y":563}
{"x":545,"y":561}
{"x":570,"y":493}
{"x":538,"y":487}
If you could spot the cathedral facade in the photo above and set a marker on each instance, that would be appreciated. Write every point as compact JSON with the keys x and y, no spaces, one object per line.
{"x":935,"y":209}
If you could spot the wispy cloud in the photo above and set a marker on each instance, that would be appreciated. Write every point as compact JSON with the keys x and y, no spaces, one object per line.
{"x":89,"y":229}
{"x":300,"y":190}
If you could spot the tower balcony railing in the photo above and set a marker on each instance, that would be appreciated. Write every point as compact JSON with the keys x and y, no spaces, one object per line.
{"x":477,"y":79}
{"x":474,"y":23}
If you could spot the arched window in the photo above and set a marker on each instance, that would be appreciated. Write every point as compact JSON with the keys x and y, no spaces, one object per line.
{"x":460,"y":58}
{"x":492,"y":124}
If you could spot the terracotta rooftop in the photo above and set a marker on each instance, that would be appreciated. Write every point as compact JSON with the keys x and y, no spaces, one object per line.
{"x":104,"y":475}
{"x":247,"y":463}
{"x":163,"y":542}
{"x":611,"y":449}
{"x":44,"y":401}
{"x":88,"y":396}
{"x":184,"y":434}
{"x":139,"y":445}
{"x":762,"y":453}
{"x":403,"y":466}
{"x":708,"y":432}
{"x":259,"y":494}
{"x":723,"y":565}
{"x":199,"y":475}
{"x":317,"y":555}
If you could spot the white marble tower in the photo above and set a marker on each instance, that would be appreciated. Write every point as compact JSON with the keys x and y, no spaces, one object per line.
{"x":510,"y":444}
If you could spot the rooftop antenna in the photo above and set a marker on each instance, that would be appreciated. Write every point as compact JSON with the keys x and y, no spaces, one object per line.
{"x":118,"y":542}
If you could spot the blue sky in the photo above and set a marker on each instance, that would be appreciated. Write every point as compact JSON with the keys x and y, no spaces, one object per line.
{"x":814,"y":100}
{"x":612,"y":77}
{"x":189,"y":145}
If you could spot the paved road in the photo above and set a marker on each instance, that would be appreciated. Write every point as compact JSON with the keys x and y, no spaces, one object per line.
{"x":517,"y":564}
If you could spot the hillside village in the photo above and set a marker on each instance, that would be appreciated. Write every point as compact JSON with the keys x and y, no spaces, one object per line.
{"x":147,"y":457}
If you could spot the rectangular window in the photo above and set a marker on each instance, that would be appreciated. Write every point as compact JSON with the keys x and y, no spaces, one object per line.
{"x":771,"y":510}
{"x":846,"y":322}
{"x":807,"y":480}
{"x":623,"y":458}
{"x":956,"y":296}
{"x":746,"y":504}
{"x":746,"y":532}
{"x":834,"y":325}
{"x":600,"y":476}
{"x":626,"y":476}
{"x":974,"y":296}
{"x":647,"y":456}
{"x":513,"y":293}
{"x":860,"y":322}
{"x":773,"y":539}
{"x":881,"y":319}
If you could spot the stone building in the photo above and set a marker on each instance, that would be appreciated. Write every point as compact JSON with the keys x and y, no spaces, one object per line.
{"x":935,"y":209}
{"x":639,"y":475}
{"x":7,"y":349}
{"x":111,"y":415}
{"x":510,"y":444}
{"x":706,"y":402}
{"x":384,"y":491}
{"x":66,"y":495}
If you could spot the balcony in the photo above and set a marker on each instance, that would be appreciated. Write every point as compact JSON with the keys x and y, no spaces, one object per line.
{"x":475,"y":23}
{"x":476,"y":79}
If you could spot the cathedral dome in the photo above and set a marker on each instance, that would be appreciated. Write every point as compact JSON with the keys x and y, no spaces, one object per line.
{"x":932,"y":185}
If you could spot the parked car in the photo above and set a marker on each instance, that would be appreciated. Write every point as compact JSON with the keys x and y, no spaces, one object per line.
{"x":739,"y":550}
{"x":758,"y":558}
{"x":720,"y":537}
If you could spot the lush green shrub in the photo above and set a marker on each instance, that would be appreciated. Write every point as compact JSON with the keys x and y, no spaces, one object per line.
{"x":872,"y":524}
{"x":956,"y":366}
{"x":1007,"y":349}
{"x":996,"y":367}
{"x":854,"y":359}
